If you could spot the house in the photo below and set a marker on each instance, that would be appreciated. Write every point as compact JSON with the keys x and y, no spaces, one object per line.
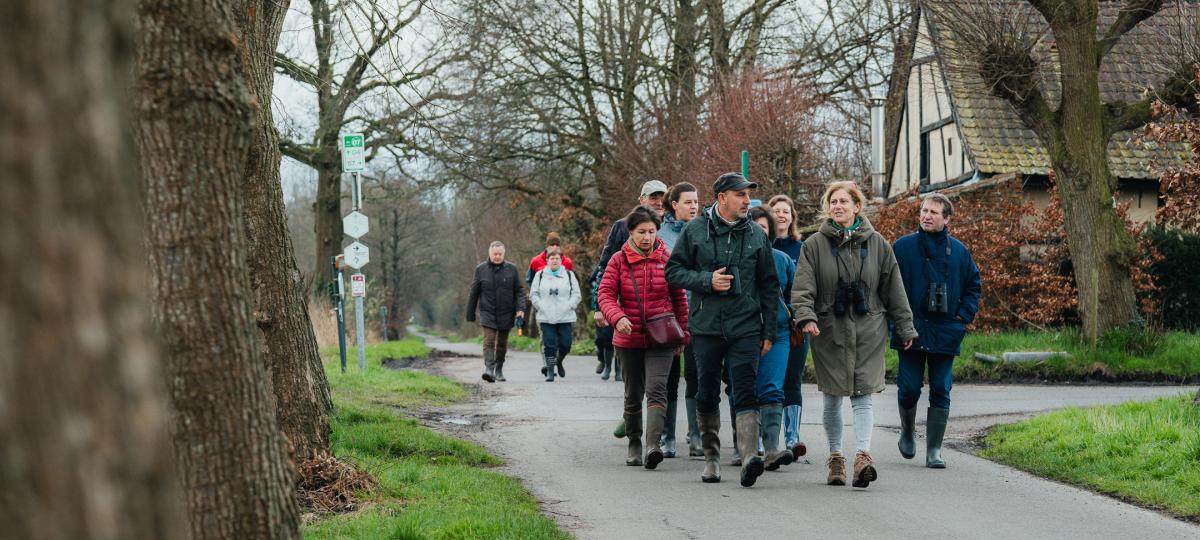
{"x":955,"y":136}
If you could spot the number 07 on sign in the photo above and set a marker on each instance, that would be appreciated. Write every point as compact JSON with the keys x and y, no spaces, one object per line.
{"x":353,"y":153}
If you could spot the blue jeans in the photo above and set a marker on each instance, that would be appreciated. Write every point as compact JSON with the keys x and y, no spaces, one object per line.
{"x":771,"y":371}
{"x":556,"y":339}
{"x":738,"y":358}
{"x":912,"y":373}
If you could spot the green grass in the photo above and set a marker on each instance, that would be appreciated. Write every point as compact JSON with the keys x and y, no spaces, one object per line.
{"x":1148,"y":452}
{"x":1176,"y":357}
{"x":432,"y":486}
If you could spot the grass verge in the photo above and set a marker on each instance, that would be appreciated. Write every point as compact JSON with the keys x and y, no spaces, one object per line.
{"x":1147,"y":453}
{"x":432,"y":486}
{"x":1176,"y":358}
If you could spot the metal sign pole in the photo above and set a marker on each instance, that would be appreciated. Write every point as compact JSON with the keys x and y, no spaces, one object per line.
{"x":360,"y":335}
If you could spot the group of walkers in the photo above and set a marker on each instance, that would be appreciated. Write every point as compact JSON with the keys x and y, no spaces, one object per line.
{"x":730,"y":297}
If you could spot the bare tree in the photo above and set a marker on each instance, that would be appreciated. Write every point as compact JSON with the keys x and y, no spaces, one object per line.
{"x":194,"y":129}
{"x":1003,"y":45}
{"x":83,"y":408}
{"x":362,"y":80}
{"x":286,"y":340}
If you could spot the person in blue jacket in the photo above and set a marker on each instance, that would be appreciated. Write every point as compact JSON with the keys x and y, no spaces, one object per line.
{"x":943,"y":288}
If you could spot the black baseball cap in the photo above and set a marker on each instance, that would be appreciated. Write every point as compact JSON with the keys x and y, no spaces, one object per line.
{"x":732,"y":181}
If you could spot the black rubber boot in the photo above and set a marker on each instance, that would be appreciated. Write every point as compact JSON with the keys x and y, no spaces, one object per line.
{"x":633,"y":431}
{"x":907,"y":443}
{"x":562,"y":372}
{"x":770,"y":420}
{"x":489,"y":366}
{"x":655,"y":419}
{"x":668,"y":430}
{"x":607,"y":363}
{"x":548,"y":369}
{"x":617,"y":367}
{"x":500,"y":372}
{"x":695,"y":449}
{"x":935,"y":430}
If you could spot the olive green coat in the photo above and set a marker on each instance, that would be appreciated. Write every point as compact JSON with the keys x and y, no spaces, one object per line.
{"x":848,"y":354}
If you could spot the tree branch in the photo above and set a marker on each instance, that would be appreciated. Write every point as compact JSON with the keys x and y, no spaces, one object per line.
{"x":303,"y":153}
{"x":1132,"y":13}
{"x":1178,"y":91}
{"x":298,"y":72}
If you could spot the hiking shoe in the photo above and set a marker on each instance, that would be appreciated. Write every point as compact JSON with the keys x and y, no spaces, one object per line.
{"x":864,"y":469}
{"x":837,"y":469}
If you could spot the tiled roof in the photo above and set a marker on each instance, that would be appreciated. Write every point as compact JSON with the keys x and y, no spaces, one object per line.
{"x":999,"y":140}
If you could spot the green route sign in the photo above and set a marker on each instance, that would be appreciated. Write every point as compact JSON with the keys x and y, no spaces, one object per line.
{"x":353,"y":153}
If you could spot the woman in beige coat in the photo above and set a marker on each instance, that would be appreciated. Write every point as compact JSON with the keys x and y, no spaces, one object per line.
{"x":847,"y":289}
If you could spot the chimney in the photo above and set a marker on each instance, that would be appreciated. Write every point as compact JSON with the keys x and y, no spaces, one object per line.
{"x":877,"y":159}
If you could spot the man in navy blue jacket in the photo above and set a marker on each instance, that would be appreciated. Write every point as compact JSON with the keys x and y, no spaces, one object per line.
{"x":943,"y":287}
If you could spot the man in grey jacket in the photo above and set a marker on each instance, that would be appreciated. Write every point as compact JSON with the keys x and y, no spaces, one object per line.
{"x":497,"y":293}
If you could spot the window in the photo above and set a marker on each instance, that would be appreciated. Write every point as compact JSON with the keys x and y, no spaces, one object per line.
{"x":925,"y":158}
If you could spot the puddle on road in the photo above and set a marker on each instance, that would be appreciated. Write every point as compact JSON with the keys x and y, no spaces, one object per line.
{"x":455,"y":420}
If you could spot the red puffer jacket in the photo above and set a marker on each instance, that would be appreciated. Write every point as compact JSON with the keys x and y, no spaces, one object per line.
{"x":616,"y":297}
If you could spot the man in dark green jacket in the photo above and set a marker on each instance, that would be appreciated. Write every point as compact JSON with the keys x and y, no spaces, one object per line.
{"x":726,"y":261}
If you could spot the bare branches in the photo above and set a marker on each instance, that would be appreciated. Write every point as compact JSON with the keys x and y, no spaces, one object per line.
{"x":305,"y":154}
{"x":297,"y":71}
{"x":1131,"y":13}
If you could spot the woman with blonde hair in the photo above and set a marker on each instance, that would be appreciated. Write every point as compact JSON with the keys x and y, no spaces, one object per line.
{"x":847,"y":289}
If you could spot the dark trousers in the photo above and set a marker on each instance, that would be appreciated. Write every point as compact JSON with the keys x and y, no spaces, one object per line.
{"x":645,"y":373}
{"x":912,"y":373}
{"x":673,"y":380}
{"x":556,"y":339}
{"x":797,"y":356}
{"x":496,"y":342}
{"x":738,"y":357}
{"x":690,"y":373}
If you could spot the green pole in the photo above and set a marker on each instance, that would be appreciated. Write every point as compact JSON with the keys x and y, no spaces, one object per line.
{"x":746,"y":163}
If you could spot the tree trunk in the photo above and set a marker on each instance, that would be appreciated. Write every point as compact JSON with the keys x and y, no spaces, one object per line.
{"x":83,"y":410}
{"x":327,"y":209}
{"x":1102,"y":251}
{"x":193,"y":131}
{"x":286,"y":338}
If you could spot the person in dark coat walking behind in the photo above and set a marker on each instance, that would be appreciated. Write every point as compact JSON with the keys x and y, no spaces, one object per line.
{"x":497,"y":293}
{"x":727,"y":263}
{"x":943,"y":288}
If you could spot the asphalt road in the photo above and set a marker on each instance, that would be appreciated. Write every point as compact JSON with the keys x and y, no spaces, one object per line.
{"x":557,"y":438}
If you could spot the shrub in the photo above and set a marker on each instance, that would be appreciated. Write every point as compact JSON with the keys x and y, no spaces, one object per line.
{"x":1179,"y":283}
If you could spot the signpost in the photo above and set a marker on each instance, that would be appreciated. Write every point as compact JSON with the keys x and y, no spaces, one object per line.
{"x":355,"y":224}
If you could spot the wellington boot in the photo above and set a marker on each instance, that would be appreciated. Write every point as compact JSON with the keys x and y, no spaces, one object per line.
{"x":500,"y":372}
{"x":771,"y":418}
{"x":633,"y":431}
{"x":548,"y":368}
{"x":935,"y":430}
{"x":607,"y":364}
{"x":655,"y":419}
{"x":619,"y":431}
{"x":489,"y":366}
{"x":599,"y":360}
{"x":668,"y":430}
{"x":562,"y":372}
{"x":907,"y":443}
{"x":695,"y":449}
{"x":736,"y":460}
{"x":710,"y":428}
{"x":837,"y":469}
{"x":617,"y":367}
{"x":864,"y":469}
{"x":747,"y":444}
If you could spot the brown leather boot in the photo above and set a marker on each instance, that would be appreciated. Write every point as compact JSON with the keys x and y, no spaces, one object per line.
{"x":837,"y":469}
{"x":633,"y":432}
{"x":864,"y":469}
{"x":655,"y":418}
{"x":710,"y":427}
{"x":747,"y":441}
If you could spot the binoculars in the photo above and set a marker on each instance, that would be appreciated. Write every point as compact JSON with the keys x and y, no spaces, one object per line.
{"x":851,"y":296}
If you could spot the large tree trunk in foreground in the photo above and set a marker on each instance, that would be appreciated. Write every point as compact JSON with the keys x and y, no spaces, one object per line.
{"x":193,"y":132}
{"x":84,"y":450}
{"x":286,"y":339}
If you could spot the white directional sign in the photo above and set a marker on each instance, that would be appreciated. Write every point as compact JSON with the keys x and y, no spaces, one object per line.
{"x":354,"y":158}
{"x":358,"y":285}
{"x":357,"y":255}
{"x":355,"y":224}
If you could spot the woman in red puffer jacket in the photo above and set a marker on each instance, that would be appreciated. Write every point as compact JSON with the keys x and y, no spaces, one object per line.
{"x":638,"y":272}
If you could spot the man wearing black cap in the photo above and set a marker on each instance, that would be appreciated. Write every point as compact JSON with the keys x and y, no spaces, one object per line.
{"x":726,"y":261}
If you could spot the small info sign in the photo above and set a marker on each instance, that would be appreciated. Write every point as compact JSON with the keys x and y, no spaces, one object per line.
{"x":358,"y":285}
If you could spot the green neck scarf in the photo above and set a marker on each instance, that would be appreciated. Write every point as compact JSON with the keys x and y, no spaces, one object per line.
{"x":638,"y":250}
{"x":839,"y":228}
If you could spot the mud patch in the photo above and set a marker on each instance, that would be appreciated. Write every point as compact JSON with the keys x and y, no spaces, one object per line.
{"x":428,"y":362}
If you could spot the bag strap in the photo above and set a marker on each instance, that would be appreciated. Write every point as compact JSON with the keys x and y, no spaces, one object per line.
{"x":636,"y":294}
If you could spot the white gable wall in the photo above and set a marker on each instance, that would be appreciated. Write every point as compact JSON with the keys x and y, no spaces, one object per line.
{"x":927,"y":129}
